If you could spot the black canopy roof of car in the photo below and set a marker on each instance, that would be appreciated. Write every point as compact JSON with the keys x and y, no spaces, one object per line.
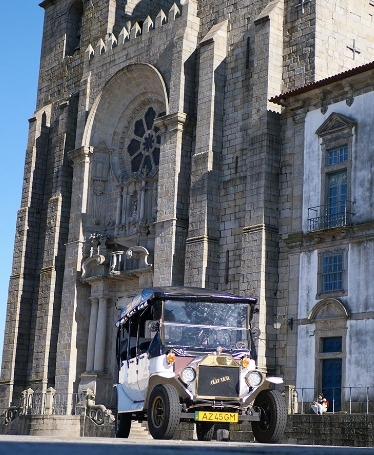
{"x":142,"y":300}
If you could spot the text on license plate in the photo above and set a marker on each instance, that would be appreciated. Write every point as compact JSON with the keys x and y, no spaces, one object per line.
{"x":207,"y":416}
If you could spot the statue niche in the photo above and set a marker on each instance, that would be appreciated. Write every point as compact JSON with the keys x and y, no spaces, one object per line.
{"x":136,"y":210}
{"x":138,"y":160}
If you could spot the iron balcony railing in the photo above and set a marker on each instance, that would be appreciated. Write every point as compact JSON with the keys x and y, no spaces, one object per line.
{"x":329,"y":216}
{"x":348,"y":400}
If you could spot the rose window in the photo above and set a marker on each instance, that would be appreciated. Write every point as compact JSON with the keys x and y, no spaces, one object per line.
{"x":144,"y":146}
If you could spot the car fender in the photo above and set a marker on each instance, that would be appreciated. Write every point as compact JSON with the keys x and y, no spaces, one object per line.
{"x":163,"y":374}
{"x":166,"y":378}
{"x":125,"y":403}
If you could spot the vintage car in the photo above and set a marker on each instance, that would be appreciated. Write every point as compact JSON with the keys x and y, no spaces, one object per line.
{"x":187,"y":354}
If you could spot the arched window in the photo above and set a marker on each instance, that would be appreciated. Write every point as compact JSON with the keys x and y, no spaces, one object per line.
{"x":74,"y":28}
{"x":144,"y":147}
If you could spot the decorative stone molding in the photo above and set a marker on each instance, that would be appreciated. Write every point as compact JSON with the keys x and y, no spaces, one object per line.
{"x":96,"y":258}
{"x":329,"y":309}
{"x":118,"y":261}
{"x":134,"y":31}
{"x":80,"y":153}
{"x":171,"y":122}
{"x":335,"y":123}
{"x":24,"y":407}
{"x":96,"y":412}
{"x":143,"y":253}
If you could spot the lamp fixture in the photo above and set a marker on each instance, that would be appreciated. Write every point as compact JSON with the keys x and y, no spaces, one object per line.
{"x":277,"y":325}
{"x":282,"y":318}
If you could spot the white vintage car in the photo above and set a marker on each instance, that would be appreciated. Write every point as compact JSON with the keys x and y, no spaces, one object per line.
{"x":187,"y":354}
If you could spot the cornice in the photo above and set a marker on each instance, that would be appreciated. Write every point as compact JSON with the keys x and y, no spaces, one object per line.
{"x":328,"y":237}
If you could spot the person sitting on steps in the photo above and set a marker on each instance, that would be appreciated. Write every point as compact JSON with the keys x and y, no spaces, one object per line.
{"x":321,"y":405}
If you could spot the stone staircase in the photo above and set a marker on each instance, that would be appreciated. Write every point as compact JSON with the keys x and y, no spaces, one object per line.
{"x":139,"y":430}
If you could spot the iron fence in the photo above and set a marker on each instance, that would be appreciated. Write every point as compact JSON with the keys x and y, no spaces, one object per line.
{"x":349,"y":400}
{"x":45,"y":403}
{"x":61,"y":404}
{"x":51,"y":402}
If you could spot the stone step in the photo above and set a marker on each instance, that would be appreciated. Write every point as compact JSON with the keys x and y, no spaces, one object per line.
{"x":139,"y":430}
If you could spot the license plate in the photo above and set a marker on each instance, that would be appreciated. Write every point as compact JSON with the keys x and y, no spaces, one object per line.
{"x":207,"y":416}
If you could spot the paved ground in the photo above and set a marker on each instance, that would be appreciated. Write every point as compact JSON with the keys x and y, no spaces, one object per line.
{"x":30,"y":445}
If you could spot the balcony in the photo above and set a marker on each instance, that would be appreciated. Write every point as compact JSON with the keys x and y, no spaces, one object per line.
{"x":133,"y":261}
{"x":329,"y":216}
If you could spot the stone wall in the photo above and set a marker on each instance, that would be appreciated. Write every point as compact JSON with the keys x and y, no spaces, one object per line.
{"x":353,"y":430}
{"x":331,"y":429}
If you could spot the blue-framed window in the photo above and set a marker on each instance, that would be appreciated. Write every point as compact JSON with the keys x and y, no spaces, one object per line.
{"x":332,"y":272}
{"x":337,"y":155}
{"x":331,"y":344}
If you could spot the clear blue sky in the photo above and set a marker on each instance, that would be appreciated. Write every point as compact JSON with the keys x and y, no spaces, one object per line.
{"x":20,"y":35}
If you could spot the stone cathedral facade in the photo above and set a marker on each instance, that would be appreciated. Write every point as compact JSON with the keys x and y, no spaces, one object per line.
{"x":162,"y":152}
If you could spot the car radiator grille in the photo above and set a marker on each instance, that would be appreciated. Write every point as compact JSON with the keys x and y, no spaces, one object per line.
{"x":218,"y":382}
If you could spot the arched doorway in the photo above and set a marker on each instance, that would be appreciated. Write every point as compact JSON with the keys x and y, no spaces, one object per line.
{"x":330,"y":318}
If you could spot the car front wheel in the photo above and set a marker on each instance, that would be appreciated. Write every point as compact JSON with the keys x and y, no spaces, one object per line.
{"x":163,"y":413}
{"x":273,"y":416}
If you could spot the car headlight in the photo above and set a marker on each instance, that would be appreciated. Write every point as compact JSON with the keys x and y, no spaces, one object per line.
{"x":253,"y":379}
{"x":188,"y":374}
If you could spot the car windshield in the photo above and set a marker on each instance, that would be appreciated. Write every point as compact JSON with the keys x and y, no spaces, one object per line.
{"x":206,"y":324}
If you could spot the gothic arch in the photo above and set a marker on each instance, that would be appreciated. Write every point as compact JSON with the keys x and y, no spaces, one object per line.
{"x":128,"y":89}
{"x":329,"y":309}
{"x":126,"y":143}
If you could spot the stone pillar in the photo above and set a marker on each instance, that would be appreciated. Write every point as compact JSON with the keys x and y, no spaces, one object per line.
{"x":49,"y":398}
{"x":171,"y":226}
{"x":24,"y":276}
{"x":291,"y":397}
{"x":72,"y":341}
{"x":126,"y":208}
{"x":260,"y":236}
{"x":100,"y":335}
{"x":119,"y":206}
{"x":142,"y":195}
{"x":202,"y":255}
{"x":92,"y":334}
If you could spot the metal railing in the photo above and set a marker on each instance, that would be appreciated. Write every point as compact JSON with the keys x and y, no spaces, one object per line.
{"x":348,"y":400}
{"x":328,"y":216}
{"x":51,"y":402}
{"x":62,"y":404}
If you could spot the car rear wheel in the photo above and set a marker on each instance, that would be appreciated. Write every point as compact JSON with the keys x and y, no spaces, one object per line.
{"x":273,"y":419}
{"x":163,"y":413}
{"x":204,"y":431}
{"x":123,"y":425}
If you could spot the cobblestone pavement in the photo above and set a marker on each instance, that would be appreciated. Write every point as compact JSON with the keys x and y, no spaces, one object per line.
{"x":30,"y":445}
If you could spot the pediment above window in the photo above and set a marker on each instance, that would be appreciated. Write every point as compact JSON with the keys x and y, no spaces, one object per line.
{"x":335,"y":123}
{"x":329,"y":309}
